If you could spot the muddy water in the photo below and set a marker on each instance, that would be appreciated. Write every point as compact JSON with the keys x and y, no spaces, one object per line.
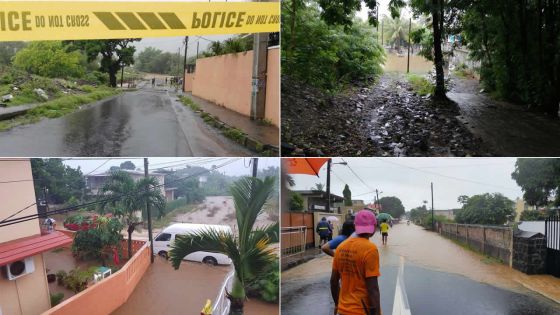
{"x":164,"y":290}
{"x":509,"y":129}
{"x":218,"y":210}
{"x":418,"y":64}
{"x":256,"y":307}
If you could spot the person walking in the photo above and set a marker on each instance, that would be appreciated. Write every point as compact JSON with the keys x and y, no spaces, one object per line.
{"x":355,"y":271}
{"x":346,"y":232}
{"x":331,"y":228}
{"x":153,"y":82}
{"x":384,"y":227}
{"x":323,"y":229}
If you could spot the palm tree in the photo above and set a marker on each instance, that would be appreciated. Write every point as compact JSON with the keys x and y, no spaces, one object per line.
{"x":318,"y":187}
{"x":126,"y":196}
{"x":249,"y":250}
{"x":396,"y":31}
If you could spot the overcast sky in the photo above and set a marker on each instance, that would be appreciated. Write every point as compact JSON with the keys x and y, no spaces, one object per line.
{"x":409,"y":179}
{"x":239,"y":167}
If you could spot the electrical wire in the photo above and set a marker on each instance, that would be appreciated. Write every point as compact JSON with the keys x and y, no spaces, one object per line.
{"x":355,"y":174}
{"x":18,"y":212}
{"x":7,"y":222}
{"x":106,"y":161}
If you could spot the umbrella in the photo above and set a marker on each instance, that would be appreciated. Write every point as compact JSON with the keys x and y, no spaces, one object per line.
{"x":309,"y":166}
{"x":384,"y":217}
{"x":332,"y":218}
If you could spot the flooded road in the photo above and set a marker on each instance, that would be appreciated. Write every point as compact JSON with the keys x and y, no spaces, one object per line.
{"x":508,"y":129}
{"x":439,"y":276}
{"x":149,"y":121}
{"x":164,"y":290}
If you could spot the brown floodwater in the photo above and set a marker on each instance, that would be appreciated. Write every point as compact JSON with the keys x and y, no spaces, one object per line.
{"x":418,"y":64}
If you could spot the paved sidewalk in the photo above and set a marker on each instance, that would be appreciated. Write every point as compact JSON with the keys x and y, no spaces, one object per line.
{"x":264,"y":133}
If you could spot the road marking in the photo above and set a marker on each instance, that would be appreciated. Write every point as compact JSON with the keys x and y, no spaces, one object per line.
{"x":400,"y":304}
{"x":64,"y":20}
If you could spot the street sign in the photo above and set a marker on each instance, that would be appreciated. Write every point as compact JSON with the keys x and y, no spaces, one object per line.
{"x":65,"y":20}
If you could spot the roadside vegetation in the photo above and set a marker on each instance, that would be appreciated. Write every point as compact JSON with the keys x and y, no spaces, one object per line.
{"x":421,"y":84}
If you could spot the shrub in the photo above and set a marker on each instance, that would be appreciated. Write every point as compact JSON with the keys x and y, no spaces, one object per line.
{"x":56,"y":298}
{"x":266,"y":286}
{"x":49,"y":59}
{"x":93,"y":243}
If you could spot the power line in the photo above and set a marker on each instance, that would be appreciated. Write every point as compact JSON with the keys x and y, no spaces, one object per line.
{"x":355,"y":174}
{"x":19,"y":211}
{"x":106,"y":161}
{"x":7,"y":222}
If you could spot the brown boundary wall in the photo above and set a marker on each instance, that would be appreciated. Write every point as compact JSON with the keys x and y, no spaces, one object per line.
{"x":494,"y":241}
{"x":106,"y":296}
{"x":290,"y":219}
{"x":226,"y":80}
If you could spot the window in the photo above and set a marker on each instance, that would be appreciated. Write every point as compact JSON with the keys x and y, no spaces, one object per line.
{"x":163,"y":237}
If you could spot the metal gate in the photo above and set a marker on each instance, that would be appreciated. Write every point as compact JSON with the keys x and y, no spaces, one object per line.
{"x":552,"y":232}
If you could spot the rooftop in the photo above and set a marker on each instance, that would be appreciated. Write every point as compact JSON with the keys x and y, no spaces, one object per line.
{"x":28,"y":246}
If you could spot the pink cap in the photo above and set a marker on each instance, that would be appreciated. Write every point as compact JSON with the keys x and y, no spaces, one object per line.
{"x":365,"y":222}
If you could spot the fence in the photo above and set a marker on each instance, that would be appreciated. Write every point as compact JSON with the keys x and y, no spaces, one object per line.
{"x":494,"y":241}
{"x":293,"y":240}
{"x":552,"y":232}
{"x":106,"y":296}
{"x":290,"y":219}
{"x":222,"y":303}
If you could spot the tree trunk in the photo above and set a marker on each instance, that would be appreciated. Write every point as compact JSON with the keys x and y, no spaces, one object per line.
{"x":112,"y":78}
{"x":236,"y":297}
{"x":130,"y":230}
{"x":438,"y":55}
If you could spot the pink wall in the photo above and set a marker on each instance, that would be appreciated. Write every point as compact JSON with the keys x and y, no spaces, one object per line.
{"x":107,"y":295}
{"x":226,"y":80}
{"x":189,"y":81}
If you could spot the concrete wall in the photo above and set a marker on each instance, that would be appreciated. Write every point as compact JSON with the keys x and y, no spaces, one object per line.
{"x":226,"y":80}
{"x":189,"y":77}
{"x":493,"y":241}
{"x":106,"y":296}
{"x":529,"y":254}
{"x":28,"y":294}
{"x":16,"y":196}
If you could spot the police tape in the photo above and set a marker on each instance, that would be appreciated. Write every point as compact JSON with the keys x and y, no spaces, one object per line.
{"x":59,"y":20}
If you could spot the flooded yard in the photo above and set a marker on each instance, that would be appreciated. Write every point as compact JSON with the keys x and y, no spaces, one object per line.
{"x":418,"y":64}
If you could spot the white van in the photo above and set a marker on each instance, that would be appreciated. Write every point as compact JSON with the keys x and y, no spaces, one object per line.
{"x":162,"y":242}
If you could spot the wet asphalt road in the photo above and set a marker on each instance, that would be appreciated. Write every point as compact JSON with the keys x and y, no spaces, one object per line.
{"x":147,"y":122}
{"x":429,"y":293}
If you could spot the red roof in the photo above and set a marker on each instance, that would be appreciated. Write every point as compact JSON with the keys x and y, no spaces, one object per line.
{"x":28,"y":246}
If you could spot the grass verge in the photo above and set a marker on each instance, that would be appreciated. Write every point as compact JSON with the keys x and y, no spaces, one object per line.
{"x":59,"y":107}
{"x":421,"y":85}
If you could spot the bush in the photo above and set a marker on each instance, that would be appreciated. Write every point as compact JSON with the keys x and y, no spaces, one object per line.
{"x":427,"y":220}
{"x":93,"y":243}
{"x":174,"y":204}
{"x":266,"y":287}
{"x":56,"y":298}
{"x":421,"y":85}
{"x":49,"y":59}
{"x":77,"y":279}
{"x":60,"y":277}
{"x":326,"y":56}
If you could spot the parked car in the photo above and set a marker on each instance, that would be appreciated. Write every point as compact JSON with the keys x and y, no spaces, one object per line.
{"x":162,"y":242}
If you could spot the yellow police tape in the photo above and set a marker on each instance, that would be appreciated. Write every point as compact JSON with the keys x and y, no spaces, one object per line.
{"x":60,"y":20}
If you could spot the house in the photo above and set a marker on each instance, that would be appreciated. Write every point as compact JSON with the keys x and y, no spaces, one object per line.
{"x":316,"y":201}
{"x":95,"y":182}
{"x":23,"y":280}
{"x":520,"y":206}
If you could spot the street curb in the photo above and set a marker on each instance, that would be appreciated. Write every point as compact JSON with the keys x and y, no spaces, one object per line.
{"x":548,"y":296}
{"x":295,"y":263}
{"x":233,"y":132}
{"x":15,"y":113}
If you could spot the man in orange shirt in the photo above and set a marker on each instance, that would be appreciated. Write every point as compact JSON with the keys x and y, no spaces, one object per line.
{"x":356,"y":266}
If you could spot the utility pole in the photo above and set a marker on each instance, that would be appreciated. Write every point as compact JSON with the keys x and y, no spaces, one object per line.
{"x":122,"y":74}
{"x":382,"y":29}
{"x":260,"y":56}
{"x":329,"y":162}
{"x":197,"y":43}
{"x":408,"y":58}
{"x":255,"y":166}
{"x":148,"y":210}
{"x":432,"y":187}
{"x":185,"y":61}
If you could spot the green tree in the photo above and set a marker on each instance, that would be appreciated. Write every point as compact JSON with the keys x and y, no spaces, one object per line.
{"x":532,"y":215}
{"x":488,"y":208}
{"x":347,"y":195}
{"x":318,"y":187}
{"x":418,"y":214}
{"x":248,"y":251}
{"x":62,"y":181}
{"x":539,"y":180}
{"x":115,"y":53}
{"x":391,"y":205}
{"x":123,"y":197}
{"x":296,"y":201}
{"x":94,"y":242}
{"x":128,"y":165}
{"x":146,"y":57}
{"x":50,"y":59}
{"x":8,"y":50}
{"x":396,"y":31}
